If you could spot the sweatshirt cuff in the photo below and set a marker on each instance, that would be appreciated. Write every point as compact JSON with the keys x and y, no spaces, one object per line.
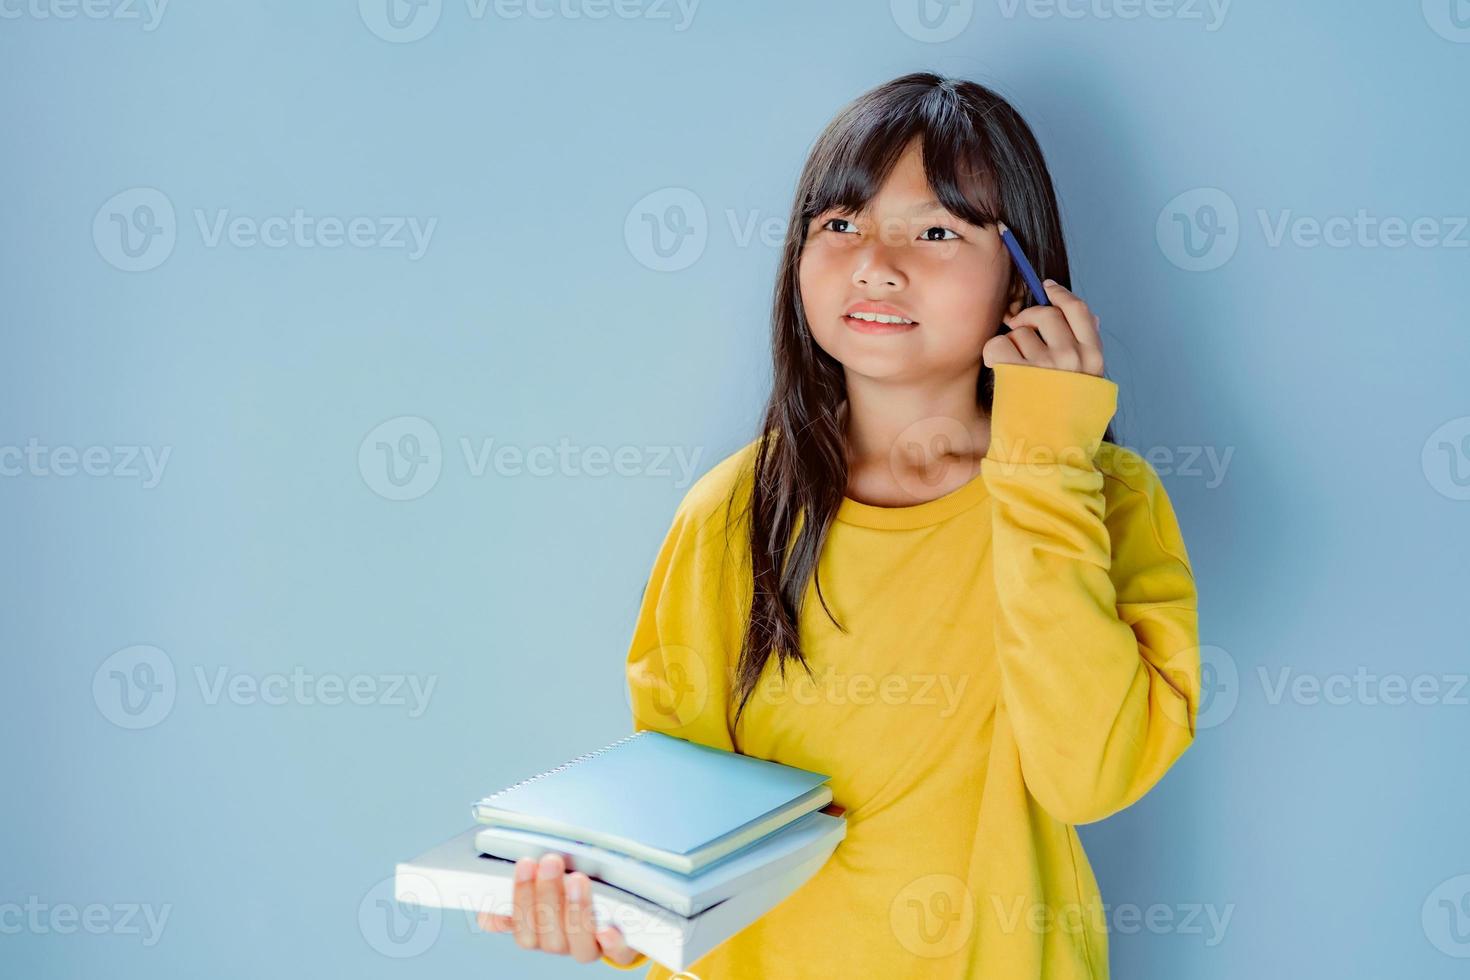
{"x":640,"y":961}
{"x":1045,"y":415}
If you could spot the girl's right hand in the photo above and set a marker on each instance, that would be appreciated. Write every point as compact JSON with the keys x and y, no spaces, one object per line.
{"x":553,"y":913}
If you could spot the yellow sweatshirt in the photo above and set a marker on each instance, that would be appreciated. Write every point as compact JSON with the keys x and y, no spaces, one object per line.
{"x":1021,"y":656}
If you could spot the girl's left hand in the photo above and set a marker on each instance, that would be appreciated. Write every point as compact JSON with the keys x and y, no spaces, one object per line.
{"x":1062,"y":336}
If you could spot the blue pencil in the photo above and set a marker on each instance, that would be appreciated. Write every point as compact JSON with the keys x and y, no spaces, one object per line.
{"x":1033,"y":282}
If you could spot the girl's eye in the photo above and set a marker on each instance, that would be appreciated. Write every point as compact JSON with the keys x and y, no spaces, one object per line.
{"x":924,"y":236}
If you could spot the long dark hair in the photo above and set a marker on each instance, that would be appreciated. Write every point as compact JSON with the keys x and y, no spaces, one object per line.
{"x":984,"y":165}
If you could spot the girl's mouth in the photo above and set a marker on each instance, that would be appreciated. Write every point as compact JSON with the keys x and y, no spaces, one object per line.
{"x":873,"y":326}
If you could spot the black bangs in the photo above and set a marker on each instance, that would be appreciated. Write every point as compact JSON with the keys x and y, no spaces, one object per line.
{"x":852,"y":161}
{"x":962,"y":173}
{"x":860,"y":149}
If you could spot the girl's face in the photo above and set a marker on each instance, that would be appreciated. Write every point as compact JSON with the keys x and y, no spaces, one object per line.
{"x":909,"y":253}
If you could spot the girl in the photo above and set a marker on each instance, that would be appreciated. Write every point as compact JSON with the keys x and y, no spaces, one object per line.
{"x":985,"y":601}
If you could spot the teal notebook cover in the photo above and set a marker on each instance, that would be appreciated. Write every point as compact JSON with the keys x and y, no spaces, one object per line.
{"x":656,"y":789}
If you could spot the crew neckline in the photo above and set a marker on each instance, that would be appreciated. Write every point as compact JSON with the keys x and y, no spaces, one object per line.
{"x":923,"y":514}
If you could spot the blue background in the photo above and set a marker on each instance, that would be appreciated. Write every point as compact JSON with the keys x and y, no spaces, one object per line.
{"x":1335,"y":542}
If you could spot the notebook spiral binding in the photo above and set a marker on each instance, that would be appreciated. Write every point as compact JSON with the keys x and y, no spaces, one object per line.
{"x":565,"y":765}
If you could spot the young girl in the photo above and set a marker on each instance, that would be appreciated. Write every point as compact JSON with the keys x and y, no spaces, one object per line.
{"x":985,"y":603}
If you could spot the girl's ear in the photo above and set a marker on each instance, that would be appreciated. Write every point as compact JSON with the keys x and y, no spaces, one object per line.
{"x":1018,"y":296}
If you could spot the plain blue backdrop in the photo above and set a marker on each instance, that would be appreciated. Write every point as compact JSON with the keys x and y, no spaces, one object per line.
{"x":355,"y":358}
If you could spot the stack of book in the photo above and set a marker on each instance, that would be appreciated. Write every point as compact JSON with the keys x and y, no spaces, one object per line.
{"x":685,"y":844}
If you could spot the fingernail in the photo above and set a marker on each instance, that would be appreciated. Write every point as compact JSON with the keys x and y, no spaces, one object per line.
{"x":1048,"y":282}
{"x":525,"y":869}
{"x":550,"y":865}
{"x":574,"y":889}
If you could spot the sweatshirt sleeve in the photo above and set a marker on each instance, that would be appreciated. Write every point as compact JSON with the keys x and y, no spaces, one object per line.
{"x":1097,"y":620}
{"x":686,"y":634}
{"x":641,"y":960}
{"x":677,"y":664}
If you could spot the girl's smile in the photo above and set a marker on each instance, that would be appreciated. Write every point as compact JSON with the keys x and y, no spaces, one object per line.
{"x":872,"y":326}
{"x":870,"y":317}
{"x":869,"y":310}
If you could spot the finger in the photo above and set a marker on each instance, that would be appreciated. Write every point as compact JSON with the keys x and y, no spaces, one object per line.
{"x":1038,"y":316}
{"x":615,"y":947}
{"x":1084,"y":323}
{"x":493,"y":922}
{"x":525,"y":899}
{"x":1089,"y":343}
{"x":549,"y":933}
{"x":1087,"y":328}
{"x":1033,"y":349}
{"x":1000,"y":350}
{"x":1051,"y":325}
{"x":1068,"y":302}
{"x":581,"y":929}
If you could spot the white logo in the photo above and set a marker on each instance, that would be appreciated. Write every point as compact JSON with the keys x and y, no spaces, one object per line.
{"x":1446,"y":459}
{"x":135,"y":230}
{"x":1219,"y":687}
{"x":401,"y":459}
{"x":1446,"y":917}
{"x":932,"y":21}
{"x":1199,"y":230}
{"x":667,"y":230}
{"x":400,"y":930}
{"x":400,"y":21}
{"x":1450,"y":19}
{"x":135,"y":687}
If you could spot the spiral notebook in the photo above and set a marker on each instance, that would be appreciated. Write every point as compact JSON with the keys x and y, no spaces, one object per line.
{"x":669,"y":801}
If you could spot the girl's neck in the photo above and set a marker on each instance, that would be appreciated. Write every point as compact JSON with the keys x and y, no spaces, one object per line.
{"x":908,"y":443}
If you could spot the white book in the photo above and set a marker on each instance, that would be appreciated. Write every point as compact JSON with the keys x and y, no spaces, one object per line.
{"x":686,"y":895}
{"x":454,"y":875}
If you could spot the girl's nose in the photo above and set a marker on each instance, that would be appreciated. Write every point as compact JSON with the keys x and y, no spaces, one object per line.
{"x":870,"y":273}
{"x":877,"y":267}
